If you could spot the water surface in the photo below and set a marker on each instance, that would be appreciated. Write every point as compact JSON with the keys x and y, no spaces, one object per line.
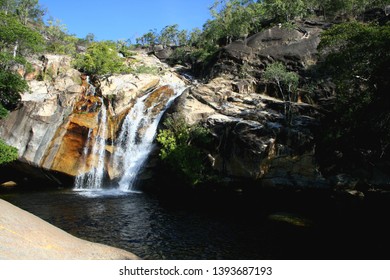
{"x":232,"y":228}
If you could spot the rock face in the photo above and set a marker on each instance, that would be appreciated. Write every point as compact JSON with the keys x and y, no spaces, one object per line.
{"x":60,"y":113}
{"x":254,"y":140}
{"x":295,"y":46}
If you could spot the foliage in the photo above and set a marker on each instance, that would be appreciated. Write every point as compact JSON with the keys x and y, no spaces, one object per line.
{"x":357,"y":56}
{"x":59,"y":42}
{"x":124,"y":48}
{"x":101,"y":58}
{"x":3,"y":112}
{"x":285,"y":10}
{"x":233,"y":19}
{"x":286,"y":81}
{"x":148,"y":39}
{"x":17,"y":38}
{"x":178,"y":151}
{"x":11,"y":85}
{"x":27,"y":11}
{"x":7,"y":153}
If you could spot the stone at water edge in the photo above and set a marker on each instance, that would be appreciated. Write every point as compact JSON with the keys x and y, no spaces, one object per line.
{"x":24,"y":236}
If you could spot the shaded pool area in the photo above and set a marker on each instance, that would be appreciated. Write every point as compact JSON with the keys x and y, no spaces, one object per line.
{"x":253,"y":226}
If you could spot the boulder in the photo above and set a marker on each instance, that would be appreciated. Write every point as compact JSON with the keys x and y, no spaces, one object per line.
{"x":27,"y":237}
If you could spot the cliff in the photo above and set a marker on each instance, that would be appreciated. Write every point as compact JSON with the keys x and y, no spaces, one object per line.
{"x":258,"y":138}
{"x":62,"y":112}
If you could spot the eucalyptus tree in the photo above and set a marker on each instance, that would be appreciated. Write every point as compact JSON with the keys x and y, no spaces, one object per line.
{"x":285,"y":10}
{"x":169,"y":35}
{"x":148,"y":39}
{"x":287,"y":83}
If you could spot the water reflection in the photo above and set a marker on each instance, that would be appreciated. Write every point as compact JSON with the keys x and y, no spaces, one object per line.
{"x":154,"y":230}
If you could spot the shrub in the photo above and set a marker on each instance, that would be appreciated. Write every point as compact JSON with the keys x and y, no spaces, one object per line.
{"x":101,"y":58}
{"x":179,"y":151}
{"x":7,"y":153}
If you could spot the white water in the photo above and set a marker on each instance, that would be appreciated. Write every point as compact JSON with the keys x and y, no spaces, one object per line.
{"x":135,"y":140}
{"x":132,"y":147}
{"x":93,"y":179}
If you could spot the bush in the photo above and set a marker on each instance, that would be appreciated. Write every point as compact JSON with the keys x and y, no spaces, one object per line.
{"x":11,"y":85}
{"x":3,"y":112}
{"x":101,"y":58}
{"x":7,"y":153}
{"x":179,"y":151}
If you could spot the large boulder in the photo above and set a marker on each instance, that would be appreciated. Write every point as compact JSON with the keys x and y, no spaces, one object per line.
{"x":27,"y":237}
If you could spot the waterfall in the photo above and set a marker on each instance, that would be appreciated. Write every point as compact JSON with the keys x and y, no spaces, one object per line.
{"x":135,"y":140}
{"x":93,"y":179}
{"x":131,"y":148}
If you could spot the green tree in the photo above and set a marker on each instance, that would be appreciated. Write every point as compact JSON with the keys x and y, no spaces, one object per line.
{"x":357,"y":56}
{"x":7,"y":153}
{"x":11,"y":85}
{"x":285,"y":10}
{"x":59,"y":41}
{"x":178,"y":151}
{"x":169,"y":35}
{"x":16,"y":38}
{"x":29,"y":10}
{"x":182,"y":38}
{"x":287,"y":83}
{"x":148,"y":39}
{"x":101,"y":58}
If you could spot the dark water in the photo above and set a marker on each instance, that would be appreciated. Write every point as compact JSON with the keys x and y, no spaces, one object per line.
{"x":236,"y":227}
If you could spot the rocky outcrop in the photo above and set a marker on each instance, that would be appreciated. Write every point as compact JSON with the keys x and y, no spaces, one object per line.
{"x":254,"y":140}
{"x":296,"y":46}
{"x":27,"y":237}
{"x":62,"y":111}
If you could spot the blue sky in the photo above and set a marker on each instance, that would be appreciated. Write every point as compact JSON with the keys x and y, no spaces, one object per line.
{"x":126,"y":19}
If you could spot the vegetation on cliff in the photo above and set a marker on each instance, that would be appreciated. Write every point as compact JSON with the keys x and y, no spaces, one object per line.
{"x":181,"y":149}
{"x":357,"y":56}
{"x":7,"y":153}
{"x":18,"y":39}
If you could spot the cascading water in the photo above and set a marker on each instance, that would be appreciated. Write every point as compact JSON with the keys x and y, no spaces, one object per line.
{"x":132,"y":146}
{"x":135,"y":140}
{"x":93,"y":179}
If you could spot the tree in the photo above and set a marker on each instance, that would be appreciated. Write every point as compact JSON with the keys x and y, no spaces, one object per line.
{"x":357,"y":56}
{"x":101,"y":58}
{"x":11,"y":85}
{"x":182,"y":38}
{"x":287,"y":83}
{"x":285,"y":10}
{"x":169,"y":35}
{"x":16,"y":38}
{"x":148,"y":39}
{"x":60,"y":42}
